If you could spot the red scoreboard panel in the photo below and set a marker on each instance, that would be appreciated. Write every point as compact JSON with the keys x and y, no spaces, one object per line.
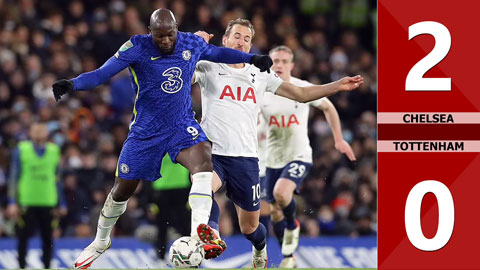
{"x":428,"y":134}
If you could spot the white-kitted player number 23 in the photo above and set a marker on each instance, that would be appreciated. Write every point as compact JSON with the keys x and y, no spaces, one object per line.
{"x":446,"y":215}
{"x":443,"y":41}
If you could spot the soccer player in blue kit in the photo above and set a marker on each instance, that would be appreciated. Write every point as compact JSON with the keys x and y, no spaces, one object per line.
{"x":161,"y":65}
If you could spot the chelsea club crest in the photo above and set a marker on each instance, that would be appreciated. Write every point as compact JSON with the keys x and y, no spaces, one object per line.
{"x":124,"y":168}
{"x":187,"y":55}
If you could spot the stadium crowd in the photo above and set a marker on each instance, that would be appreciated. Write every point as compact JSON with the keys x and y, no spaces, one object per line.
{"x":41,"y":41}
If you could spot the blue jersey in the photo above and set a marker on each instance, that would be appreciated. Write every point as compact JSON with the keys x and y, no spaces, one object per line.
{"x":162,"y":82}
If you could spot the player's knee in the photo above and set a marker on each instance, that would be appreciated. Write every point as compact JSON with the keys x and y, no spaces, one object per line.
{"x":249,"y":227}
{"x":281,"y":198}
{"x":120,"y":197}
{"x":121,"y":194}
{"x":204,"y":164}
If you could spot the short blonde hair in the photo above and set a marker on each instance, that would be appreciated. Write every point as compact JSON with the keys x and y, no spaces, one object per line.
{"x":281,"y":48}
{"x":239,"y":21}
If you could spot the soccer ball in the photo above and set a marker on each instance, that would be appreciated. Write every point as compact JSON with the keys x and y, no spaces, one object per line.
{"x":186,"y":252}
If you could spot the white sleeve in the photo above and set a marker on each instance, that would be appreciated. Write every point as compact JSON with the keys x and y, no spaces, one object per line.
{"x":317,"y":103}
{"x":200,"y":70}
{"x":273,"y":82}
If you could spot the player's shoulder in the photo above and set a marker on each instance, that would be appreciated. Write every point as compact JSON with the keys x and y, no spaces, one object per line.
{"x":206,"y":65}
{"x":190,"y":40}
{"x":299,"y":82}
{"x":136,"y":42}
{"x":188,"y":35}
{"x":140,"y":39}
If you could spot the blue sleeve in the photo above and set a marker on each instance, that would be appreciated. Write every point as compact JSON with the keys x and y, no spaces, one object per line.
{"x":13,"y":177}
{"x":94,"y":78}
{"x":225,"y":55}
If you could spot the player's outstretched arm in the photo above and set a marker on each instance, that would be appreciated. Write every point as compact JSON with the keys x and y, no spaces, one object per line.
{"x":88,"y":80}
{"x":231,"y":56}
{"x":333,"y":120}
{"x":309,"y":93}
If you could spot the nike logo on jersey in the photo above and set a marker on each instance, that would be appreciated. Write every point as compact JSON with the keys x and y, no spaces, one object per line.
{"x":256,"y":203}
{"x":221,"y":74}
{"x":155,"y":58}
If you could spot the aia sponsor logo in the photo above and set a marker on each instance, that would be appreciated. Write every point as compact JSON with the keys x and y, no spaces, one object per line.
{"x":283,"y":121}
{"x":229,"y":93}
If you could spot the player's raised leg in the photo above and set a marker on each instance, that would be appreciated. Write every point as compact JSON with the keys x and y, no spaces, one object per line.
{"x":115,"y":205}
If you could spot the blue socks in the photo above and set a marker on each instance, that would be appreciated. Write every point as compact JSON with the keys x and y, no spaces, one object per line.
{"x":278,"y":229}
{"x":258,"y":237}
{"x":214,"y":215}
{"x":265,"y":220}
{"x":289,"y":213}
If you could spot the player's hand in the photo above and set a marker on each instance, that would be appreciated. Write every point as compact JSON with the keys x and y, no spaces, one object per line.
{"x":350,"y":83}
{"x":263,"y":62}
{"x":346,"y":149}
{"x":62,"y":87}
{"x":206,"y":36}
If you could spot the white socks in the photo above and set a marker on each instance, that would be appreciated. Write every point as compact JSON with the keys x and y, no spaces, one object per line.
{"x":200,"y":200}
{"x":109,"y":215}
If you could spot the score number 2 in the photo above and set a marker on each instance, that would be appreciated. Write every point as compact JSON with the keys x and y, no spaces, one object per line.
{"x":443,"y":42}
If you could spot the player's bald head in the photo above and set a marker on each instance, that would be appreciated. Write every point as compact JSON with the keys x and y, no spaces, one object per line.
{"x":162,"y":18}
{"x":163,"y":28}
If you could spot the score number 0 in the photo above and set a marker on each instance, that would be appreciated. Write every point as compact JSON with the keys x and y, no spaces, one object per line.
{"x":416,"y":82}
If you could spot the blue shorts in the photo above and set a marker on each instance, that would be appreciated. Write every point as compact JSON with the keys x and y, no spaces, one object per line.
{"x":141,"y":159}
{"x":295,"y":171}
{"x":240,"y":175}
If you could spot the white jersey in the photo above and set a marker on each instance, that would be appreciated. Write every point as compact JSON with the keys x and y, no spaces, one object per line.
{"x":287,"y":136}
{"x":231,"y":99}
{"x":262,"y":129}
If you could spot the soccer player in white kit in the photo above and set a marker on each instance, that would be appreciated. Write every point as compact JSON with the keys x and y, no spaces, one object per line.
{"x":231,"y":99}
{"x":288,"y":153}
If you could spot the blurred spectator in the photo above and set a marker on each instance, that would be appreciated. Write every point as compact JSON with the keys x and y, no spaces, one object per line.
{"x":77,"y":200}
